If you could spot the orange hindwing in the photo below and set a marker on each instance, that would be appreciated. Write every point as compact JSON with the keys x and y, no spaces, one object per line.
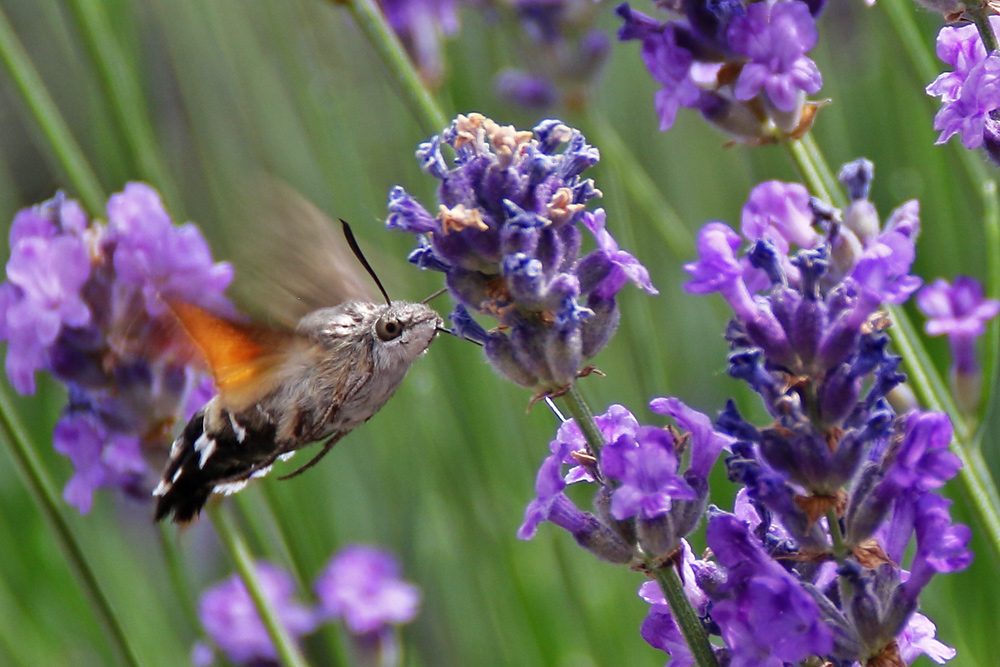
{"x":243,"y":358}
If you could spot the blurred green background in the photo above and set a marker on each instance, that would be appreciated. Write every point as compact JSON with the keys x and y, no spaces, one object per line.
{"x":442,"y":475}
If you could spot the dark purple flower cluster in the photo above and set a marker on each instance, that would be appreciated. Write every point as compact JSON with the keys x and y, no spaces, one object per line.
{"x":564,"y":53}
{"x":84,"y":302}
{"x":643,"y":498}
{"x":507,"y":237}
{"x":970,"y":93}
{"x":837,"y":485}
{"x":742,"y":65}
{"x":360,"y":586}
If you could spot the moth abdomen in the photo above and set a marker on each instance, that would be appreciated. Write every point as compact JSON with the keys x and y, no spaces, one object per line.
{"x":219,"y":459}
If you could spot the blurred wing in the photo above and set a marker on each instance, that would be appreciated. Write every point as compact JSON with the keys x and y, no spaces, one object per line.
{"x":293,"y":259}
{"x":245,"y":360}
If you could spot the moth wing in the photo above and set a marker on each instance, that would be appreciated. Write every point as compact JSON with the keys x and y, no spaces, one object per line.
{"x":293,"y":258}
{"x":245,"y":360}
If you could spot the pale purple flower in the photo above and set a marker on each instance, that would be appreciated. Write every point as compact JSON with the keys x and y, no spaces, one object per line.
{"x":362,"y":586}
{"x":960,"y":312}
{"x":646,"y":466}
{"x":231,"y":621}
{"x":917,"y":639}
{"x":84,"y":301}
{"x":775,"y":37}
{"x":613,"y":424}
{"x":618,"y":266}
{"x":47,"y":270}
{"x":706,"y":442}
{"x":100,"y":457}
{"x":780,"y":212}
{"x":163,"y":260}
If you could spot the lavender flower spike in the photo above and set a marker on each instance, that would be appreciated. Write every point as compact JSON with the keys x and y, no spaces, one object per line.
{"x":231,"y":621}
{"x":960,"y":312}
{"x":362,"y":586}
{"x":507,"y":236}
{"x":85,"y":301}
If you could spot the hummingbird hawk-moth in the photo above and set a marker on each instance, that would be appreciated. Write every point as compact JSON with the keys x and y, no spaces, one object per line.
{"x":282,"y":389}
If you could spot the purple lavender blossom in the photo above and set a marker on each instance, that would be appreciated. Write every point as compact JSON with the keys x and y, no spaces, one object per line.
{"x":84,"y":302}
{"x":422,"y":26}
{"x":960,"y":312}
{"x":730,"y":60}
{"x":561,"y":57}
{"x":231,"y":621}
{"x":361,"y":585}
{"x":970,"y":93}
{"x":642,"y":494}
{"x":775,"y":37}
{"x":100,"y":458}
{"x":507,"y":238}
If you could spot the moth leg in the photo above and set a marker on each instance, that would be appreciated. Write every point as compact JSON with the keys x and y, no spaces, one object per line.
{"x":327,"y":446}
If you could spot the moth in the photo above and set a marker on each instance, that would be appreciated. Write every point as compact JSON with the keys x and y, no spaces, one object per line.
{"x":281,"y":389}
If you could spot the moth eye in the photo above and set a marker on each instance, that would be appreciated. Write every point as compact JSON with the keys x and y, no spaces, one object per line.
{"x":387,"y":328}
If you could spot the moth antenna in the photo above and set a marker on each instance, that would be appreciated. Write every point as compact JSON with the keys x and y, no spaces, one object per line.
{"x":435,"y":295}
{"x":356,"y":249}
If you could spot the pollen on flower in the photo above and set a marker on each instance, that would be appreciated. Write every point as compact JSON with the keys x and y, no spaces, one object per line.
{"x":561,"y":208}
{"x":460,"y":217}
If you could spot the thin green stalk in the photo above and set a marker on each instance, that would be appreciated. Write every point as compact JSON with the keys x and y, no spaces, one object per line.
{"x":991,"y":355}
{"x":980,"y":16}
{"x":175,"y":569}
{"x":122,"y":88}
{"x":578,"y":408}
{"x":809,"y":169}
{"x":642,"y":189}
{"x":373,"y":24}
{"x":69,"y":157}
{"x":684,"y":615}
{"x":287,"y":650}
{"x":36,"y":479}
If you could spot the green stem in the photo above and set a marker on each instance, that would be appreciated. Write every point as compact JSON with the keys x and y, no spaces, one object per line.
{"x":69,"y":157}
{"x":373,"y":24}
{"x":684,"y":615}
{"x":980,"y":16}
{"x":642,"y":189}
{"x":122,"y":89}
{"x":175,"y":569}
{"x":991,"y":356}
{"x":35,"y":478}
{"x":578,"y":408}
{"x":810,"y":170}
{"x":287,"y":650}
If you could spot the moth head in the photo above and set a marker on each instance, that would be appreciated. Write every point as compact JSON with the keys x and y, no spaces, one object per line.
{"x":402,"y":331}
{"x":397,"y":333}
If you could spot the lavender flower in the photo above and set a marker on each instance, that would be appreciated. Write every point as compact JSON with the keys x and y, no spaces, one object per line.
{"x":86,"y":303}
{"x":231,"y":621}
{"x":507,"y":238}
{"x":642,"y":496}
{"x":810,"y":341}
{"x":562,"y":55}
{"x":743,"y":65}
{"x":422,"y":26}
{"x":960,"y":312}
{"x":361,"y":585}
{"x":970,"y":93}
